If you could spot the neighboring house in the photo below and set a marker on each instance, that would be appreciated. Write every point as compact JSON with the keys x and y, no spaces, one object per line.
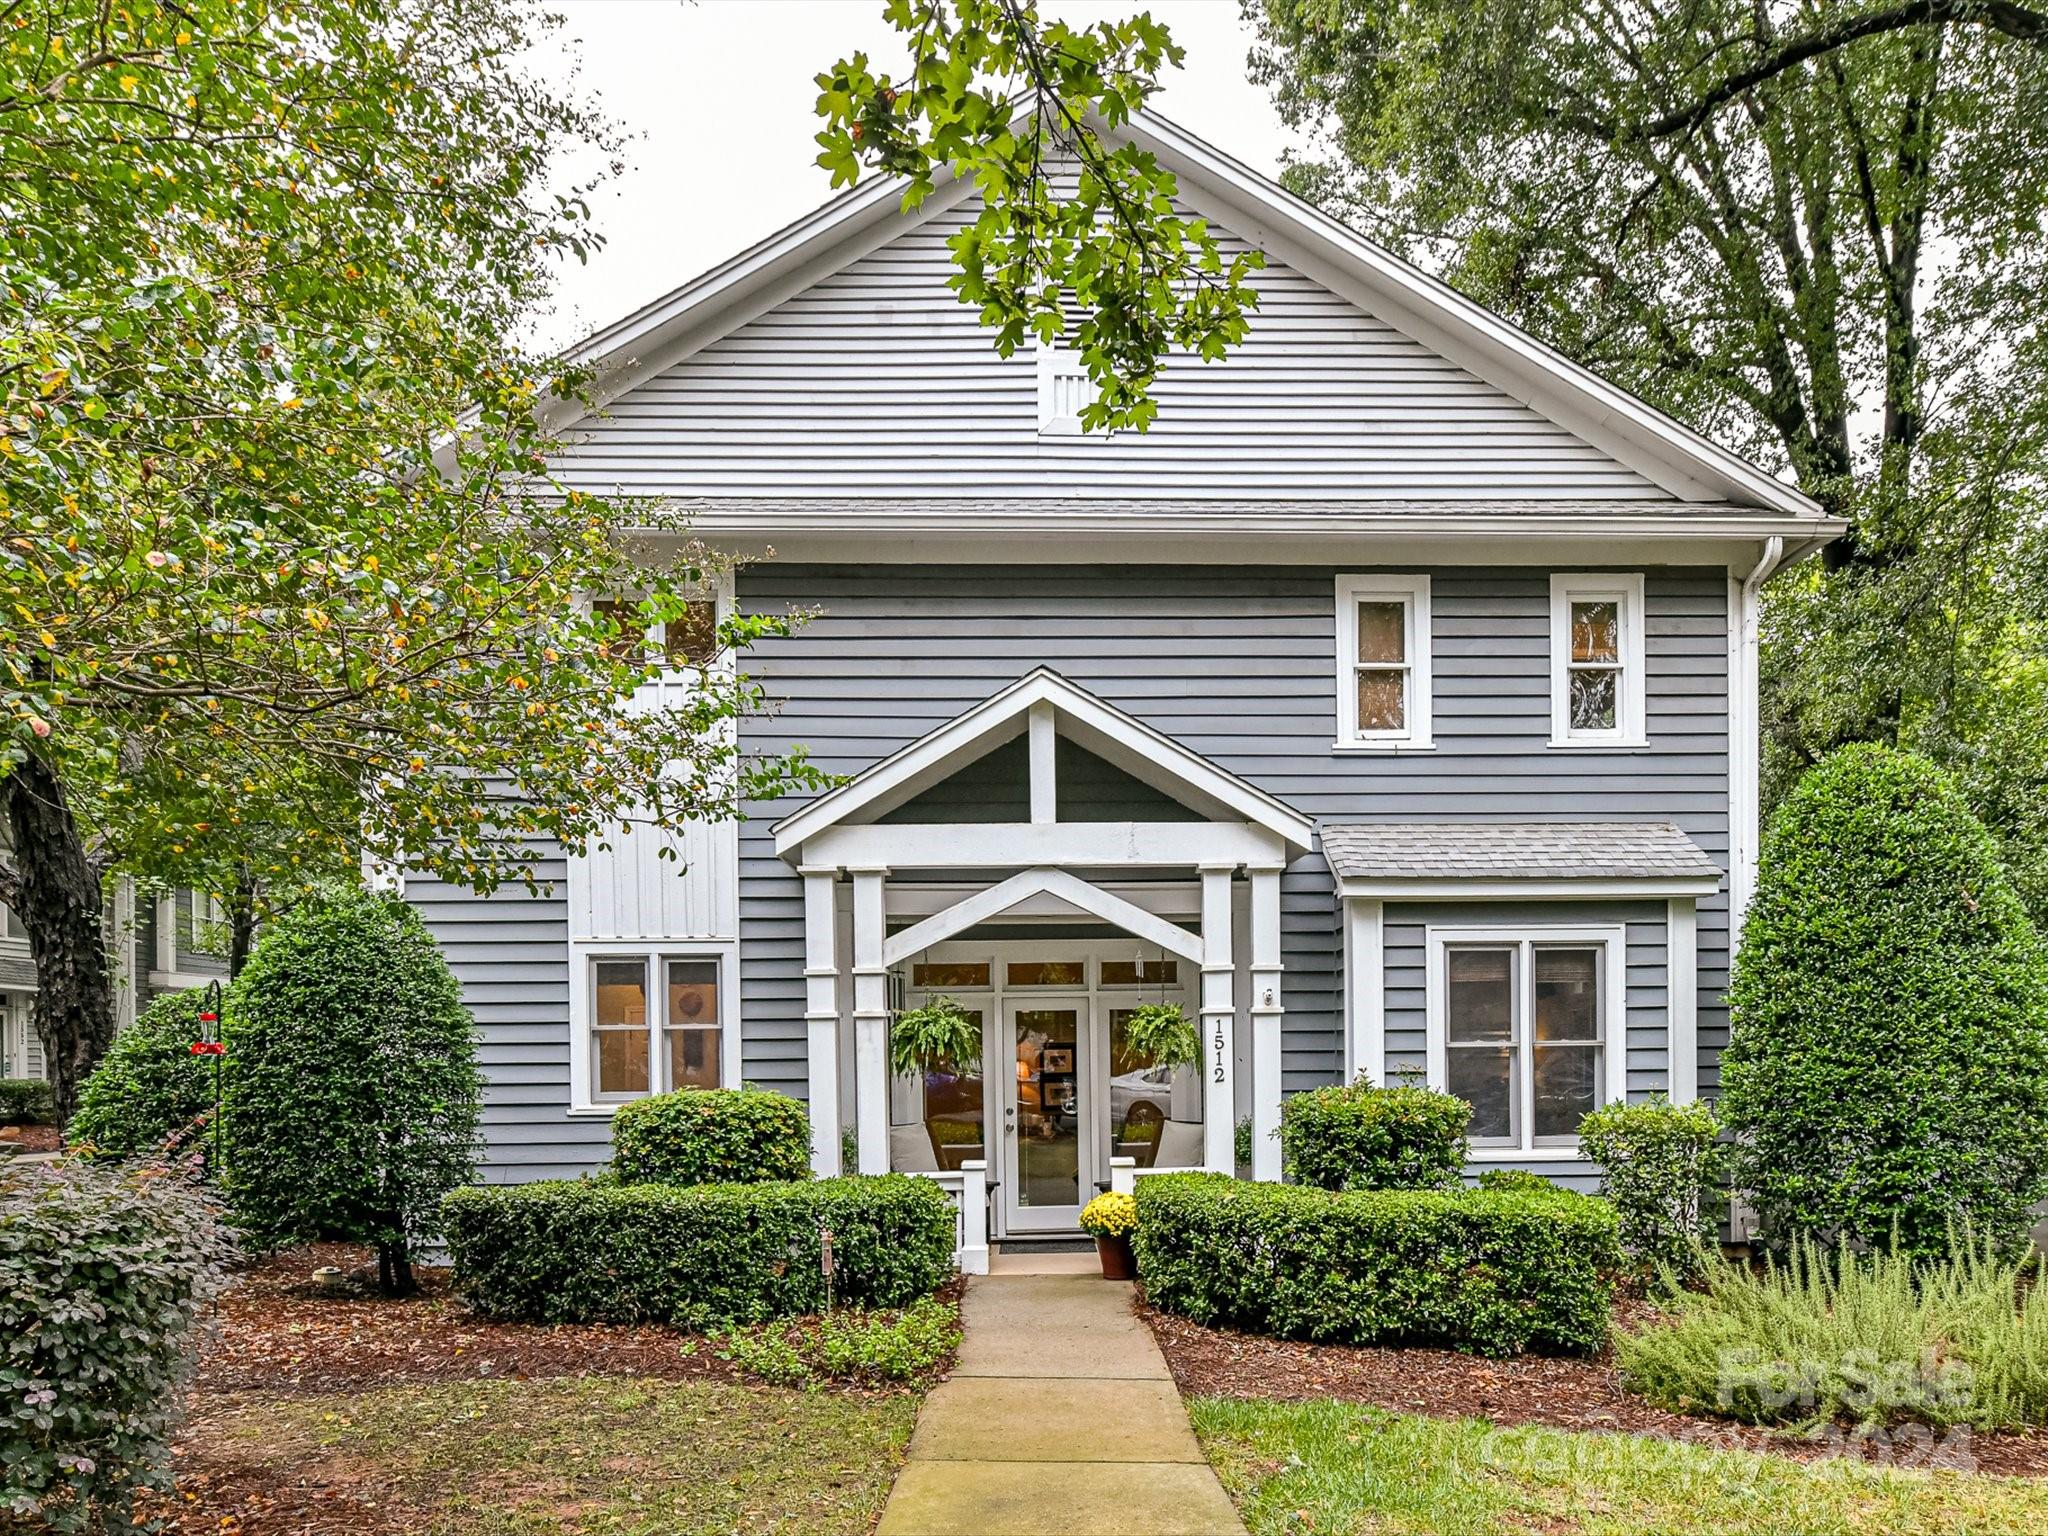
{"x":1391,"y":704}
{"x":168,"y":944}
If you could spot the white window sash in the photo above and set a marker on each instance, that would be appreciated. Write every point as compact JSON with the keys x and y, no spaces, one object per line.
{"x":652,"y":955}
{"x":1612,"y":940}
{"x":1625,"y":591}
{"x":1412,"y":593}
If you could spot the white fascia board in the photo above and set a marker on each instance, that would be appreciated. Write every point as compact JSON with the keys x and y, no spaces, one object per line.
{"x":1438,"y":316}
{"x":1060,"y":844}
{"x":1125,"y":741}
{"x":1596,"y":889}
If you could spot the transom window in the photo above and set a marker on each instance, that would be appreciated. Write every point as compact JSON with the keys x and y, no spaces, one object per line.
{"x":1525,"y":1028}
{"x":1383,"y":686}
{"x":677,"y":1042}
{"x":1596,"y":661}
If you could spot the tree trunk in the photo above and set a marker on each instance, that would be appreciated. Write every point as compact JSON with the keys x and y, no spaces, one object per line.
{"x":241,"y":904}
{"x":394,"y":1270}
{"x":57,"y":898}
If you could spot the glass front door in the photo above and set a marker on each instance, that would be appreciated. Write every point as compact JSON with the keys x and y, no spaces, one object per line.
{"x":1049,"y":1107}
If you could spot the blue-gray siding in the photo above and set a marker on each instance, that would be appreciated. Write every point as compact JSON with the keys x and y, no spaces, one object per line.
{"x":1238,"y":664}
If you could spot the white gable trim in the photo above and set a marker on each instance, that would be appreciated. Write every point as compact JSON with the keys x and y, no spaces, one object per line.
{"x":1430,"y":312}
{"x":1075,"y":892}
{"x":1119,"y":739}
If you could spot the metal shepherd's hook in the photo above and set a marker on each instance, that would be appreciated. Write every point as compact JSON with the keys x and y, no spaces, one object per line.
{"x":210,"y":1043}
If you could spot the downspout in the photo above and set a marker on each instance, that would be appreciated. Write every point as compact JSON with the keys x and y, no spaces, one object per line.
{"x":1745,"y":750}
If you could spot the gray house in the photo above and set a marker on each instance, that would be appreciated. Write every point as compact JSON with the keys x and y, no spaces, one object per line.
{"x":1391,"y":704}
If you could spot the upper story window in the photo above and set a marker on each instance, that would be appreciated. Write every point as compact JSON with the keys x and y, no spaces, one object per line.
{"x":689,"y":641}
{"x":1526,"y":1027}
{"x":1383,"y":687}
{"x":1596,"y":661}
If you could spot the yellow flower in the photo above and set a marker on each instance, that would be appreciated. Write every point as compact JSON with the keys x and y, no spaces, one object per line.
{"x":1110,"y":1215}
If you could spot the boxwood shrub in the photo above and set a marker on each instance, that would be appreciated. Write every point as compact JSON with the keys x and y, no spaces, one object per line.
{"x":593,"y":1251}
{"x":25,"y":1101}
{"x":711,"y":1136}
{"x":1356,"y":1136}
{"x":1492,"y":1272}
{"x":149,"y":1086}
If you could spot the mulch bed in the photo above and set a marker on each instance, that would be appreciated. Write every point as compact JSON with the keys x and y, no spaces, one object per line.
{"x":32,"y":1138}
{"x":1564,"y":1394}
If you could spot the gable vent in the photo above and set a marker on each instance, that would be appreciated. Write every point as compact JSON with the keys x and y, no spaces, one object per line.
{"x":1063,"y":389}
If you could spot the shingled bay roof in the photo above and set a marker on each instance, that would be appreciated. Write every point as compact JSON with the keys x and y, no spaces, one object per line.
{"x":1542,"y":850}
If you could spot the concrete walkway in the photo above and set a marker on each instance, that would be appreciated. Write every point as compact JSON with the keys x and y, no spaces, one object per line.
{"x":1061,"y":1420}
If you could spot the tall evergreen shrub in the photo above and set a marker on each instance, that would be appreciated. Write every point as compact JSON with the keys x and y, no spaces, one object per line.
{"x":1888,"y":1064}
{"x":352,"y":1082}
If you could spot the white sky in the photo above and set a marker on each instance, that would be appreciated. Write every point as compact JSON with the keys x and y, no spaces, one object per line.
{"x":719,"y":96}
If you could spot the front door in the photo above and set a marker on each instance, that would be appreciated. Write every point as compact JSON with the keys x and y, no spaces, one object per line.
{"x":1048,"y":1113}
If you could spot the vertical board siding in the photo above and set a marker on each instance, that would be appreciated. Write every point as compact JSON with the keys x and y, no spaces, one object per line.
{"x":630,"y":891}
{"x":511,"y":955}
{"x":1239,"y":665}
{"x":877,"y":381}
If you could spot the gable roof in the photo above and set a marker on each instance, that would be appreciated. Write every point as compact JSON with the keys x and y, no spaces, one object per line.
{"x":1110,"y":733}
{"x":1677,"y":460}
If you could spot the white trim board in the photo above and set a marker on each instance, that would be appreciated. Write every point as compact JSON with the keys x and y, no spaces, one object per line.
{"x":1458,"y":889}
{"x":583,"y":951}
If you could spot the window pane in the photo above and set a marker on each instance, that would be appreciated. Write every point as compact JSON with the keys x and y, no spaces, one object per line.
{"x":621,"y":1060}
{"x":621,"y":993}
{"x":1596,"y":631}
{"x":953,"y":1106}
{"x":692,"y":992}
{"x":1382,"y":631}
{"x":1567,"y":1087}
{"x":1481,"y":994}
{"x":1143,"y":1095}
{"x":1483,"y":1077}
{"x":1567,"y":984}
{"x":1382,"y":699}
{"x":953,"y":973}
{"x":1140,"y":973}
{"x":693,"y":639}
{"x":693,"y":1058}
{"x":624,"y":617}
{"x":1592,"y":699}
{"x":1048,"y":973}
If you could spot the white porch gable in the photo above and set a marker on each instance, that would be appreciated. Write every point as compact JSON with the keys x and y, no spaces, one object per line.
{"x":857,"y":831}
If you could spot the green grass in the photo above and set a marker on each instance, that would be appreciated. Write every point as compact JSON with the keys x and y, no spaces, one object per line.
{"x":595,"y":1455}
{"x":1335,"y":1469}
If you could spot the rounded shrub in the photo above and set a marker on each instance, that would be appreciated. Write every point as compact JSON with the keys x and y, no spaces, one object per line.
{"x":26,"y":1101}
{"x":711,"y":1136}
{"x":1661,"y":1166}
{"x":1887,"y":1067}
{"x":351,"y":1081}
{"x":105,"y":1274}
{"x":1356,"y":1136}
{"x":149,"y":1086}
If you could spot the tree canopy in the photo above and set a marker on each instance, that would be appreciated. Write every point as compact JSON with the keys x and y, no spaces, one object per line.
{"x":1815,"y":236}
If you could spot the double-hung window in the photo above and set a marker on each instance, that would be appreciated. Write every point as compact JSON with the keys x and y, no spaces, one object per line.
{"x":1596,"y":661}
{"x":689,"y":640}
{"x":1383,"y":688}
{"x":656,"y":1024}
{"x":1528,"y":1028}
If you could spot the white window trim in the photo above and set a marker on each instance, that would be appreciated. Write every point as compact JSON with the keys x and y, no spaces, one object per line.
{"x":1613,"y":1021}
{"x":719,"y":586}
{"x":1413,"y":594}
{"x":1631,"y":722}
{"x":583,"y":955}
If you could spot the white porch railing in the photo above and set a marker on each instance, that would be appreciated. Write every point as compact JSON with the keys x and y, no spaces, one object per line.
{"x":1124,"y":1174}
{"x":968,"y":1190}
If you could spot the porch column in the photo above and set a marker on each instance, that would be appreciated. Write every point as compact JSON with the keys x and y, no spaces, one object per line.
{"x":1266,"y":1017}
{"x":1219,"y":1021}
{"x":870,"y":1022}
{"x":1682,"y":976}
{"x":821,"y":1015}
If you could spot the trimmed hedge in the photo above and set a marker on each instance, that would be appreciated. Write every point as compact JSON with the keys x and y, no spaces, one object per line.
{"x":1492,"y":1272}
{"x":711,"y":1136}
{"x":1887,"y":1066}
{"x":712,"y":1254}
{"x":1356,"y":1136}
{"x":149,"y":1086}
{"x":26,"y":1101}
{"x":1661,"y":1169}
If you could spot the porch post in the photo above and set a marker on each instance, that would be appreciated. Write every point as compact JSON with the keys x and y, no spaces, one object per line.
{"x":1219,"y":1021}
{"x":821,"y":1015}
{"x":870,"y":1022}
{"x":1266,"y":1018}
{"x":1682,"y":976}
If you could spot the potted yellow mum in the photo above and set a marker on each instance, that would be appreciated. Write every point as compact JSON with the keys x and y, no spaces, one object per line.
{"x":1111,"y":1219}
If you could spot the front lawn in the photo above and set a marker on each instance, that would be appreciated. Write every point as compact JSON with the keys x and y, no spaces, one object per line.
{"x":1332,"y":1468}
{"x":641,"y":1457}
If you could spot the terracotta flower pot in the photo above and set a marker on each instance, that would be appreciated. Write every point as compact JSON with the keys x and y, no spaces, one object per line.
{"x":1118,"y":1262}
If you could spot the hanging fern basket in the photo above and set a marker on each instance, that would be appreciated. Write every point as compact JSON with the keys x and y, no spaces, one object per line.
{"x":938,"y":1033}
{"x":1164,"y":1032}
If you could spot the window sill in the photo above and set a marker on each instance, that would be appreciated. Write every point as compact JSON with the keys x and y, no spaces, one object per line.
{"x":1524,"y":1155}
{"x":593,"y":1111}
{"x":1422,"y":745}
{"x":1601,"y":744}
